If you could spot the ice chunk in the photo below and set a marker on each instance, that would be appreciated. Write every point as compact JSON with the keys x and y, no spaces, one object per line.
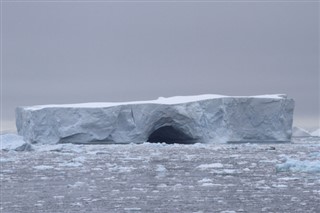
{"x":14,"y":142}
{"x":210,"y":166}
{"x":183,"y":119}
{"x":43,"y":167}
{"x":299,"y":166}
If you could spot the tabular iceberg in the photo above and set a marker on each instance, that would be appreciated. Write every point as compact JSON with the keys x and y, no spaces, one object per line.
{"x":182,"y":119}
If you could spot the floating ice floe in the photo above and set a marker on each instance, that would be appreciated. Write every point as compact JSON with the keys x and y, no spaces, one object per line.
{"x":294,"y":165}
{"x":14,"y":142}
{"x":210,"y":166}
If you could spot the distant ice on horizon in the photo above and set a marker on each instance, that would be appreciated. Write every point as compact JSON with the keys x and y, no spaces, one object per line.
{"x":300,"y":132}
{"x":316,"y":133}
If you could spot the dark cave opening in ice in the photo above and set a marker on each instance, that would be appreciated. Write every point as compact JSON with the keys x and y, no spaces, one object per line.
{"x":170,"y":135}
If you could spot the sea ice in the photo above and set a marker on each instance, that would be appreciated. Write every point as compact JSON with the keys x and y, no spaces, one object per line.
{"x":210,"y":166}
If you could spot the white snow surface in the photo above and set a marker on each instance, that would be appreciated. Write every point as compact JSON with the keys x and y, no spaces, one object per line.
{"x":300,"y":132}
{"x":316,"y":133}
{"x":189,"y":119}
{"x":160,"y":100}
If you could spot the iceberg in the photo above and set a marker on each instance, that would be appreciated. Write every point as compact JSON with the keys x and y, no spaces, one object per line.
{"x":181,"y":119}
{"x":316,"y":133}
{"x":14,"y":142}
{"x":299,"y":132}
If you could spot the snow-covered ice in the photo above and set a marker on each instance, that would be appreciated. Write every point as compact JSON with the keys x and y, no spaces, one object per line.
{"x":184,"y":119}
{"x":161,"y":100}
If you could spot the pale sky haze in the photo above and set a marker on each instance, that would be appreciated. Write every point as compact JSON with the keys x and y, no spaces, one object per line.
{"x":56,"y":52}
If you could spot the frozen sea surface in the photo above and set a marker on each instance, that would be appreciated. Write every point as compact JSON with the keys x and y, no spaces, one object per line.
{"x":163,"y":178}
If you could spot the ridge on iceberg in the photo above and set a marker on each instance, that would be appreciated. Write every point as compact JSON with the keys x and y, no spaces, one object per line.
{"x":181,"y":119}
{"x":299,"y":132}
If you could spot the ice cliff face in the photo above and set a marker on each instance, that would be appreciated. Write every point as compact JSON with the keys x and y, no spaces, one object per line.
{"x":205,"y":118}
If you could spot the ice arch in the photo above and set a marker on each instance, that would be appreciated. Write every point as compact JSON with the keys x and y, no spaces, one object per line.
{"x":170,"y":135}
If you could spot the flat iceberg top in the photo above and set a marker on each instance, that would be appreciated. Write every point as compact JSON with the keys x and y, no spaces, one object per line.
{"x":160,"y":100}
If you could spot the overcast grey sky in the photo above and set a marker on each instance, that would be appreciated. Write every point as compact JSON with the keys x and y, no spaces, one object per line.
{"x":68,"y":52}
